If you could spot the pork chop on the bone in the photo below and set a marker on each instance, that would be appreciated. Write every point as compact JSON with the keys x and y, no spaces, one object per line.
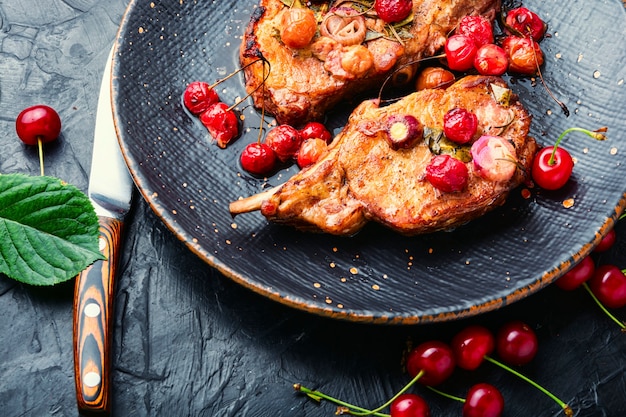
{"x":303,"y":84}
{"x":362,"y":179}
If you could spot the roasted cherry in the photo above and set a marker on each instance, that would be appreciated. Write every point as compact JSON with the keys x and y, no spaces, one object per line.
{"x":476,"y":27}
{"x":315,"y":130}
{"x":447,"y":173}
{"x":221,"y":122}
{"x":285,"y":141}
{"x":392,"y":11}
{"x":525,"y":55}
{"x":199,"y":96}
{"x":460,"y":125}
{"x":258,"y":158}
{"x":460,"y":52}
{"x":525,"y":23}
{"x":311,"y":151}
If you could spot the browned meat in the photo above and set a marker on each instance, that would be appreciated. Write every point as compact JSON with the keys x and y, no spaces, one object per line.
{"x":304,"y":83}
{"x":362,"y":179}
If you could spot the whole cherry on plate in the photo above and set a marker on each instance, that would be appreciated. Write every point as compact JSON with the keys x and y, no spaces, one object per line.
{"x":491,"y":59}
{"x":460,"y":52}
{"x":285,"y":140}
{"x":478,"y":28}
{"x":311,"y":150}
{"x":221,"y":122}
{"x":198,"y":96}
{"x":392,"y":11}
{"x":447,"y":173}
{"x":315,"y":130}
{"x":524,"y":55}
{"x":524,"y":22}
{"x":258,"y":158}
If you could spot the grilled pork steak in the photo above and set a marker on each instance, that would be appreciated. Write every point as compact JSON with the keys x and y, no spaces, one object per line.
{"x":304,"y":83}
{"x":363,"y":179}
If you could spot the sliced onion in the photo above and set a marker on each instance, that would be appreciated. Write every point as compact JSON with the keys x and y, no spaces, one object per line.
{"x":344,"y":26}
{"x":494,"y":158}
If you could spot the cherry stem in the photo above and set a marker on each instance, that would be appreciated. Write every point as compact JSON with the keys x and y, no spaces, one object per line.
{"x":355,"y":410}
{"x":390,"y":76}
{"x":445,"y":394}
{"x":568,"y":411}
{"x":40,"y":149}
{"x":595,"y":134}
{"x":317,"y":395}
{"x":603,"y":308}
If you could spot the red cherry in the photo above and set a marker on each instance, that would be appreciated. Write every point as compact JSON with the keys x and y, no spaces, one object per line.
{"x":285,"y":141}
{"x":491,"y":59}
{"x":38,"y":123}
{"x":552,"y":176}
{"x":608,"y":284}
{"x":221,"y":123}
{"x":199,"y":96}
{"x":516,"y":343}
{"x":447,"y":173}
{"x":478,"y":28}
{"x":435,"y":359}
{"x":471,"y":345}
{"x":526,"y":22}
{"x":314,"y":130}
{"x":607,"y":242}
{"x":258,"y":158}
{"x":392,"y":11}
{"x":460,"y":52}
{"x":524,"y":55}
{"x":483,"y":400}
{"x":580,"y":273}
{"x":460,"y":125}
{"x":409,"y":405}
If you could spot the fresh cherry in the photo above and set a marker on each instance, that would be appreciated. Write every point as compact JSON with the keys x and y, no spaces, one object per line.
{"x":38,"y":123}
{"x":460,"y":52}
{"x":608,"y":284}
{"x":471,"y":345}
{"x":447,"y":173}
{"x":221,"y":122}
{"x":409,"y":405}
{"x":516,"y":343}
{"x":258,"y":158}
{"x":313,"y":130}
{"x":434,"y":360}
{"x":198,"y":96}
{"x":460,"y":125}
{"x":483,"y":400}
{"x":575,"y":277}
{"x":552,"y":168}
{"x":607,"y":242}
{"x":478,"y":28}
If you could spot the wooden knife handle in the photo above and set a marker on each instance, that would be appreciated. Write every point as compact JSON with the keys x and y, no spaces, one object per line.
{"x":93,"y":323}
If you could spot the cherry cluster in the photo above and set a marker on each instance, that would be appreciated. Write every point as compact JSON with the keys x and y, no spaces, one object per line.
{"x":473,"y":45}
{"x":606,"y":283}
{"x":433,"y":362}
{"x":202,"y":100}
{"x":285,"y":144}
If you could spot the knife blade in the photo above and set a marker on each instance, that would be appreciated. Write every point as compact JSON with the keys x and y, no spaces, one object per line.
{"x":110,"y":191}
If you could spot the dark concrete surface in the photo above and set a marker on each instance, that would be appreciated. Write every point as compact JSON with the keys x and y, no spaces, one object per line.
{"x":189,"y":342}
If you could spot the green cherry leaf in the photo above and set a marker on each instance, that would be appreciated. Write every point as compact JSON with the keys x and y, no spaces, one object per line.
{"x":48,"y":230}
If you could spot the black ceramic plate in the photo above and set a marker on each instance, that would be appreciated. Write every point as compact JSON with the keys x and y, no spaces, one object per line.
{"x":375,"y":276}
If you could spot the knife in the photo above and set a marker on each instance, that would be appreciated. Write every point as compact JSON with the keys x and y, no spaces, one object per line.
{"x":110,"y":191}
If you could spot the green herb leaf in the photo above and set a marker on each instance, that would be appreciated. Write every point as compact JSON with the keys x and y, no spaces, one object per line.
{"x":48,"y":230}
